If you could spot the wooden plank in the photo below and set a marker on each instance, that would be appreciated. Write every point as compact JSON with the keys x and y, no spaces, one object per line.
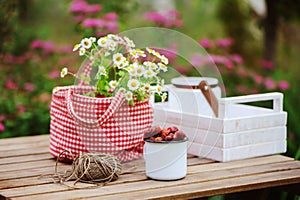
{"x":20,"y":146}
{"x":291,"y":168}
{"x":211,"y":188}
{"x":27,"y":165}
{"x":47,"y":178}
{"x":239,"y":163}
{"x":34,"y":172}
{"x":24,"y":139}
{"x":29,"y":151}
{"x":24,"y":158}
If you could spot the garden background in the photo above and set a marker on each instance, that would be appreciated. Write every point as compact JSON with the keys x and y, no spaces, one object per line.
{"x":256,"y":50}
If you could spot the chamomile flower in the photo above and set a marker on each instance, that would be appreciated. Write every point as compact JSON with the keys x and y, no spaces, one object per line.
{"x":140,"y":70}
{"x":92,"y":39}
{"x":113,"y":84}
{"x":86,"y":43}
{"x":153,"y":66}
{"x":122,"y":90}
{"x":82,"y":51}
{"x":128,"y":96}
{"x":133,"y":84}
{"x":164,"y":97}
{"x":158,"y":89}
{"x":157,"y":54}
{"x":112,"y":45}
{"x":134,"y":53}
{"x":150,"y":50}
{"x":129,"y":42}
{"x":101,"y":70}
{"x":102,"y":42}
{"x":123,"y":63}
{"x":164,"y":59}
{"x":149,"y":73}
{"x":111,"y":36}
{"x":141,"y":53}
{"x":117,"y":58}
{"x":64,"y":72}
{"x":133,"y":72}
{"x":162,"y":67}
{"x":76,"y":47}
{"x":147,"y":87}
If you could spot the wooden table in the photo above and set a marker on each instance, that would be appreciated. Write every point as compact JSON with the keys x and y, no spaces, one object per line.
{"x":25,"y":166}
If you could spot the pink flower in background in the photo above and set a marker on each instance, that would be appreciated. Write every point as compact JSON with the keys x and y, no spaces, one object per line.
{"x":78,"y":6}
{"x":11,"y":85}
{"x":258,"y":79}
{"x":29,"y":87}
{"x":237,"y":58}
{"x":21,"y":109}
{"x":110,"y":16}
{"x":48,"y":46}
{"x":225,"y":42}
{"x":283,"y":85}
{"x":198,"y":60}
{"x":79,"y":18}
{"x":270,"y":84}
{"x":168,"y":19}
{"x":93,"y":8}
{"x":2,"y":127}
{"x":266,"y":64}
{"x":2,"y":118}
{"x":182,"y":69}
{"x":228,"y":63}
{"x":64,"y":49}
{"x":173,"y":13}
{"x":36,"y":44}
{"x":112,"y":26}
{"x":54,"y":74}
{"x":242,"y":72}
{"x":170,"y":53}
{"x":205,"y":43}
{"x":155,"y":17}
{"x":241,"y":88}
{"x":93,"y":23}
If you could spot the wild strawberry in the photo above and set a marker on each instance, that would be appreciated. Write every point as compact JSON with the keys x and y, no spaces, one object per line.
{"x":179,"y":135}
{"x":164,"y":132}
{"x":172,"y":129}
{"x":151,"y":132}
{"x":169,"y":137}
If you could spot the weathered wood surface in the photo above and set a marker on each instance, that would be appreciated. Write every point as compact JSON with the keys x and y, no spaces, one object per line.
{"x":26,"y":168}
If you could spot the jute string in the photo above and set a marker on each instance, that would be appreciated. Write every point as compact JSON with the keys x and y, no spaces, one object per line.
{"x":90,"y":168}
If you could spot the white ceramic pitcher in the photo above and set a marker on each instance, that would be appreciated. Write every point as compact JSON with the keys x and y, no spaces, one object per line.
{"x":185,"y":96}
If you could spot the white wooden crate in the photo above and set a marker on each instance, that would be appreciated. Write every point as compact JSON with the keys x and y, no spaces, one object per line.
{"x":240,"y":131}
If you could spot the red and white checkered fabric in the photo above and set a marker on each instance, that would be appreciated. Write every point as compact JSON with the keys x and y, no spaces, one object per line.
{"x":103,"y":125}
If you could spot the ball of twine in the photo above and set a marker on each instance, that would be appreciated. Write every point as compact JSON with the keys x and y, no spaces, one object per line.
{"x":92,"y":168}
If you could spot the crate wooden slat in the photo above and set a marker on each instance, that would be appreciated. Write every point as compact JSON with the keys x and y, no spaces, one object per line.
{"x":29,"y":178}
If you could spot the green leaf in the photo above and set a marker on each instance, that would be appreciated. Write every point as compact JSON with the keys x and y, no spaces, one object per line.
{"x":131,"y":102}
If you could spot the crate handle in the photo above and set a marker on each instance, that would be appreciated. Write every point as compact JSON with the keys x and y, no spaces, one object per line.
{"x":277,"y":98}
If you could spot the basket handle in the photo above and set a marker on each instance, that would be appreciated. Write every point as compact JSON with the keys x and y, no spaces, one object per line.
{"x":277,"y":98}
{"x":115,"y":104}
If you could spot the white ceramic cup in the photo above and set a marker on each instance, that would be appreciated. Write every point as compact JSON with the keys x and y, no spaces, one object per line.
{"x":166,"y":160}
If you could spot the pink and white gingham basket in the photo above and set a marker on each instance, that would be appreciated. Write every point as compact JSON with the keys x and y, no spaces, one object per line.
{"x":103,"y":125}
